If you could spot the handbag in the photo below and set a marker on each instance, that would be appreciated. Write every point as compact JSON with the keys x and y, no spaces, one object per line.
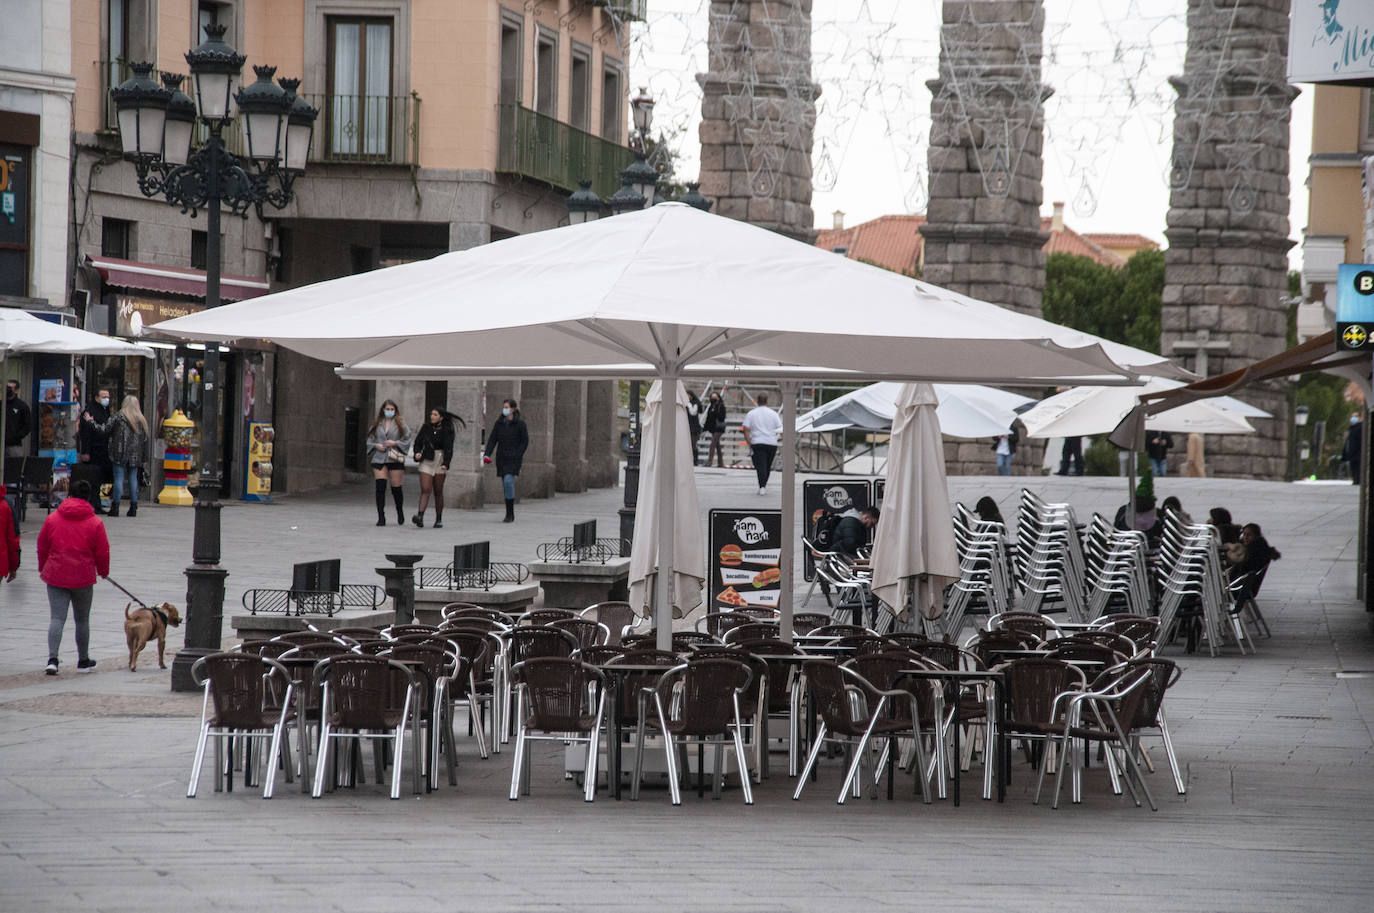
{"x":143,"y":479}
{"x":394,"y":455}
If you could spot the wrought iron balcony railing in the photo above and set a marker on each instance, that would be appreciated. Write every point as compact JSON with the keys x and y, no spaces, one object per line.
{"x":366,"y":129}
{"x":536,"y":146}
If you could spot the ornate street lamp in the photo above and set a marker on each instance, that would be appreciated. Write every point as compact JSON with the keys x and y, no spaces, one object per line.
{"x":694,"y":199}
{"x":642,"y":110}
{"x":155,"y":128}
{"x":584,"y":205}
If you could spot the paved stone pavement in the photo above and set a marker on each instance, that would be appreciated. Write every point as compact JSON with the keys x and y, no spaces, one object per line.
{"x":1277,"y":751}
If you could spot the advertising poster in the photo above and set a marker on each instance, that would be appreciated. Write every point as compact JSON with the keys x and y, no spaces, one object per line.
{"x":744,"y":558}
{"x":835,"y":495}
{"x":257,"y":480}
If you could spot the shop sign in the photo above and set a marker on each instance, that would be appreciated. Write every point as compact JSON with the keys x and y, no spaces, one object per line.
{"x":134,"y":312}
{"x":1331,"y":41}
{"x":1354,"y":306}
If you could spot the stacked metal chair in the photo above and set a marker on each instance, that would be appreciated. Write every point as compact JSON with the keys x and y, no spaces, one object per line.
{"x":1050,"y":556}
{"x":1116,"y":565}
{"x":1190,"y":570}
{"x":985,"y":573}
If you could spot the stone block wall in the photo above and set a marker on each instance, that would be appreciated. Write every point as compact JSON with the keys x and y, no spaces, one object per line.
{"x":1226,"y":265}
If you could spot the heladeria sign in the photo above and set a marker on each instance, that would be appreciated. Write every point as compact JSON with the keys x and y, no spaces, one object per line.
{"x":1331,"y":41}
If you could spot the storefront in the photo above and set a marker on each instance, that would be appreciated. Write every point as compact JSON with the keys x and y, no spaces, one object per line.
{"x":137,"y":295}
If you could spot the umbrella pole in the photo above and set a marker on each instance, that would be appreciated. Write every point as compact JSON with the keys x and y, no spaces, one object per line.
{"x":789,"y":505}
{"x":665,"y":540}
{"x":1130,"y":488}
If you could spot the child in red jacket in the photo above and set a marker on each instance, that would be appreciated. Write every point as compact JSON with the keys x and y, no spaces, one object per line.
{"x":72,"y":551}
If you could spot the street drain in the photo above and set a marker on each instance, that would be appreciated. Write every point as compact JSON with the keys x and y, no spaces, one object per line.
{"x":1285,"y":717}
{"x":1356,"y":673}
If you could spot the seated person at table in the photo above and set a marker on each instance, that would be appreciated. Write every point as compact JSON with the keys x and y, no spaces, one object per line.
{"x":1220,"y":517}
{"x":1254,"y":555}
{"x":852,"y":532}
{"x":987,"y":511}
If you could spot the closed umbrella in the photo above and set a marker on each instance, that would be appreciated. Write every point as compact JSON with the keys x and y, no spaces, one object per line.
{"x":913,"y":553}
{"x":683,"y":512}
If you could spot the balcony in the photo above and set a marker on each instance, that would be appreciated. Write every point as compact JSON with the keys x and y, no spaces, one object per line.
{"x":366,"y":129}
{"x":628,"y":10}
{"x":545,"y":149}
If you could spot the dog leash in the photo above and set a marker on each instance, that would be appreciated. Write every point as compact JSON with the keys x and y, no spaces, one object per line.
{"x":141,"y":603}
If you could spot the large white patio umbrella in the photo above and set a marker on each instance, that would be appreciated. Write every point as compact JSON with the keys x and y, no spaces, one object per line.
{"x":1091,"y":410}
{"x":668,"y":292}
{"x":21,"y":333}
{"x":965,"y":410}
{"x":683,"y":507}
{"x":913,"y":551}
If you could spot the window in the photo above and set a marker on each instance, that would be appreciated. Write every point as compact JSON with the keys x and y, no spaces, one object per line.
{"x":280,"y":259}
{"x":116,"y":238}
{"x":208,"y":13}
{"x":359,"y":107}
{"x":510,"y":61}
{"x":199,"y":245}
{"x":125,"y":37}
{"x":580,"y":88}
{"x":611,"y":103}
{"x":546,"y":74}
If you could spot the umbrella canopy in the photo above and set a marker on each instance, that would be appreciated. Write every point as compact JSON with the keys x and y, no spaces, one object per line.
{"x":1090,"y":410}
{"x":965,"y":410}
{"x":913,"y":553}
{"x":21,"y":332}
{"x":689,"y":548}
{"x":666,"y":292}
{"x":593,"y":300}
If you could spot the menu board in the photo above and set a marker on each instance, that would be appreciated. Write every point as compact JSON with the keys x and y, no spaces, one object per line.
{"x":834,"y":495}
{"x":744,"y":562}
{"x":879,"y":489}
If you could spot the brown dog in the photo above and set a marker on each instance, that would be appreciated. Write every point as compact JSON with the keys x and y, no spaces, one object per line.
{"x":145,"y":624}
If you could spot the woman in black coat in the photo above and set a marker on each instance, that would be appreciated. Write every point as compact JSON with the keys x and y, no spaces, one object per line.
{"x":434,"y":453}
{"x":715,"y":426}
{"x":508,"y":439}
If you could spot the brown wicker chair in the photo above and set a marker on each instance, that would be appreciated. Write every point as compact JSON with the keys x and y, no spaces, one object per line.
{"x":554,"y":699}
{"x":857,"y":644}
{"x":717,"y":623}
{"x":684,"y":641}
{"x":615,"y":615}
{"x":356,"y":634}
{"x":522,"y":643}
{"x":989,"y":645}
{"x":753,"y":630}
{"x":1033,"y":623}
{"x":299,"y":638}
{"x":785,"y":695}
{"x":832,"y":631}
{"x":472,"y":684}
{"x":599,"y":655}
{"x":456,"y":610}
{"x":479,"y":623}
{"x":806,"y":622}
{"x":852,"y":723}
{"x":537,"y":617}
{"x":391,"y":632}
{"x":1032,"y":688}
{"x":1149,"y":718}
{"x":887,"y":671}
{"x":1142,"y":630}
{"x":1085,"y":652}
{"x":1110,"y":639}
{"x":367,"y":697}
{"x":588,"y":633}
{"x":246,"y":697}
{"x":698,"y":702}
{"x":1113,"y":702}
{"x":439,"y":663}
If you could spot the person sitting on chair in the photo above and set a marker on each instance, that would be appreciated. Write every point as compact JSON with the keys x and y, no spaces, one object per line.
{"x":853,"y":530}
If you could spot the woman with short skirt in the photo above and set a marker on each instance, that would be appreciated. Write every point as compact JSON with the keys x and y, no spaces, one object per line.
{"x":434,"y":453}
{"x":387,"y":442}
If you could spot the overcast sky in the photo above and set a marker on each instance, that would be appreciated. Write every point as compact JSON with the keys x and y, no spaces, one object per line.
{"x":1108,"y":124}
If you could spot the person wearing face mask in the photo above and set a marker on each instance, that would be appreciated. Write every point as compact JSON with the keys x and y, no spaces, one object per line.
{"x":508,"y":439}
{"x":434,"y":453}
{"x":18,"y":420}
{"x":715,"y":426}
{"x":387,"y":442}
{"x":93,"y":442}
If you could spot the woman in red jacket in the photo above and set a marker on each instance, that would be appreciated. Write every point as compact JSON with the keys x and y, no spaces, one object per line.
{"x":9,"y":540}
{"x":72,"y":552}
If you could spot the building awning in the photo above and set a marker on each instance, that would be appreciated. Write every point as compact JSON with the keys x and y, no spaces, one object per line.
{"x":173,"y":280}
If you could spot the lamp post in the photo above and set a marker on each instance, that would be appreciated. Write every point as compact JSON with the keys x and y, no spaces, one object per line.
{"x":156,"y":124}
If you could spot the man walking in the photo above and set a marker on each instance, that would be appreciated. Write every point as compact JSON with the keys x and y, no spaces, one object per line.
{"x":761,"y":429}
{"x":93,"y":444}
{"x":18,"y":421}
{"x":1157,"y":449}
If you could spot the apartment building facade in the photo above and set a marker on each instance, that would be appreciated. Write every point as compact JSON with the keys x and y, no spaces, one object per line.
{"x":443,"y":125}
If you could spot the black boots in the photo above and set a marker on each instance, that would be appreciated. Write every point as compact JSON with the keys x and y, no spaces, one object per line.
{"x":418,"y":520}
{"x":397,"y":495}
{"x":114,"y":509}
{"x":381,"y":502}
{"x":510,"y":511}
{"x":133,"y":509}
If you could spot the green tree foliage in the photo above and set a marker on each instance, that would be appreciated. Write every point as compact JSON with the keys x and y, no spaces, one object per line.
{"x":1122,"y":305}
